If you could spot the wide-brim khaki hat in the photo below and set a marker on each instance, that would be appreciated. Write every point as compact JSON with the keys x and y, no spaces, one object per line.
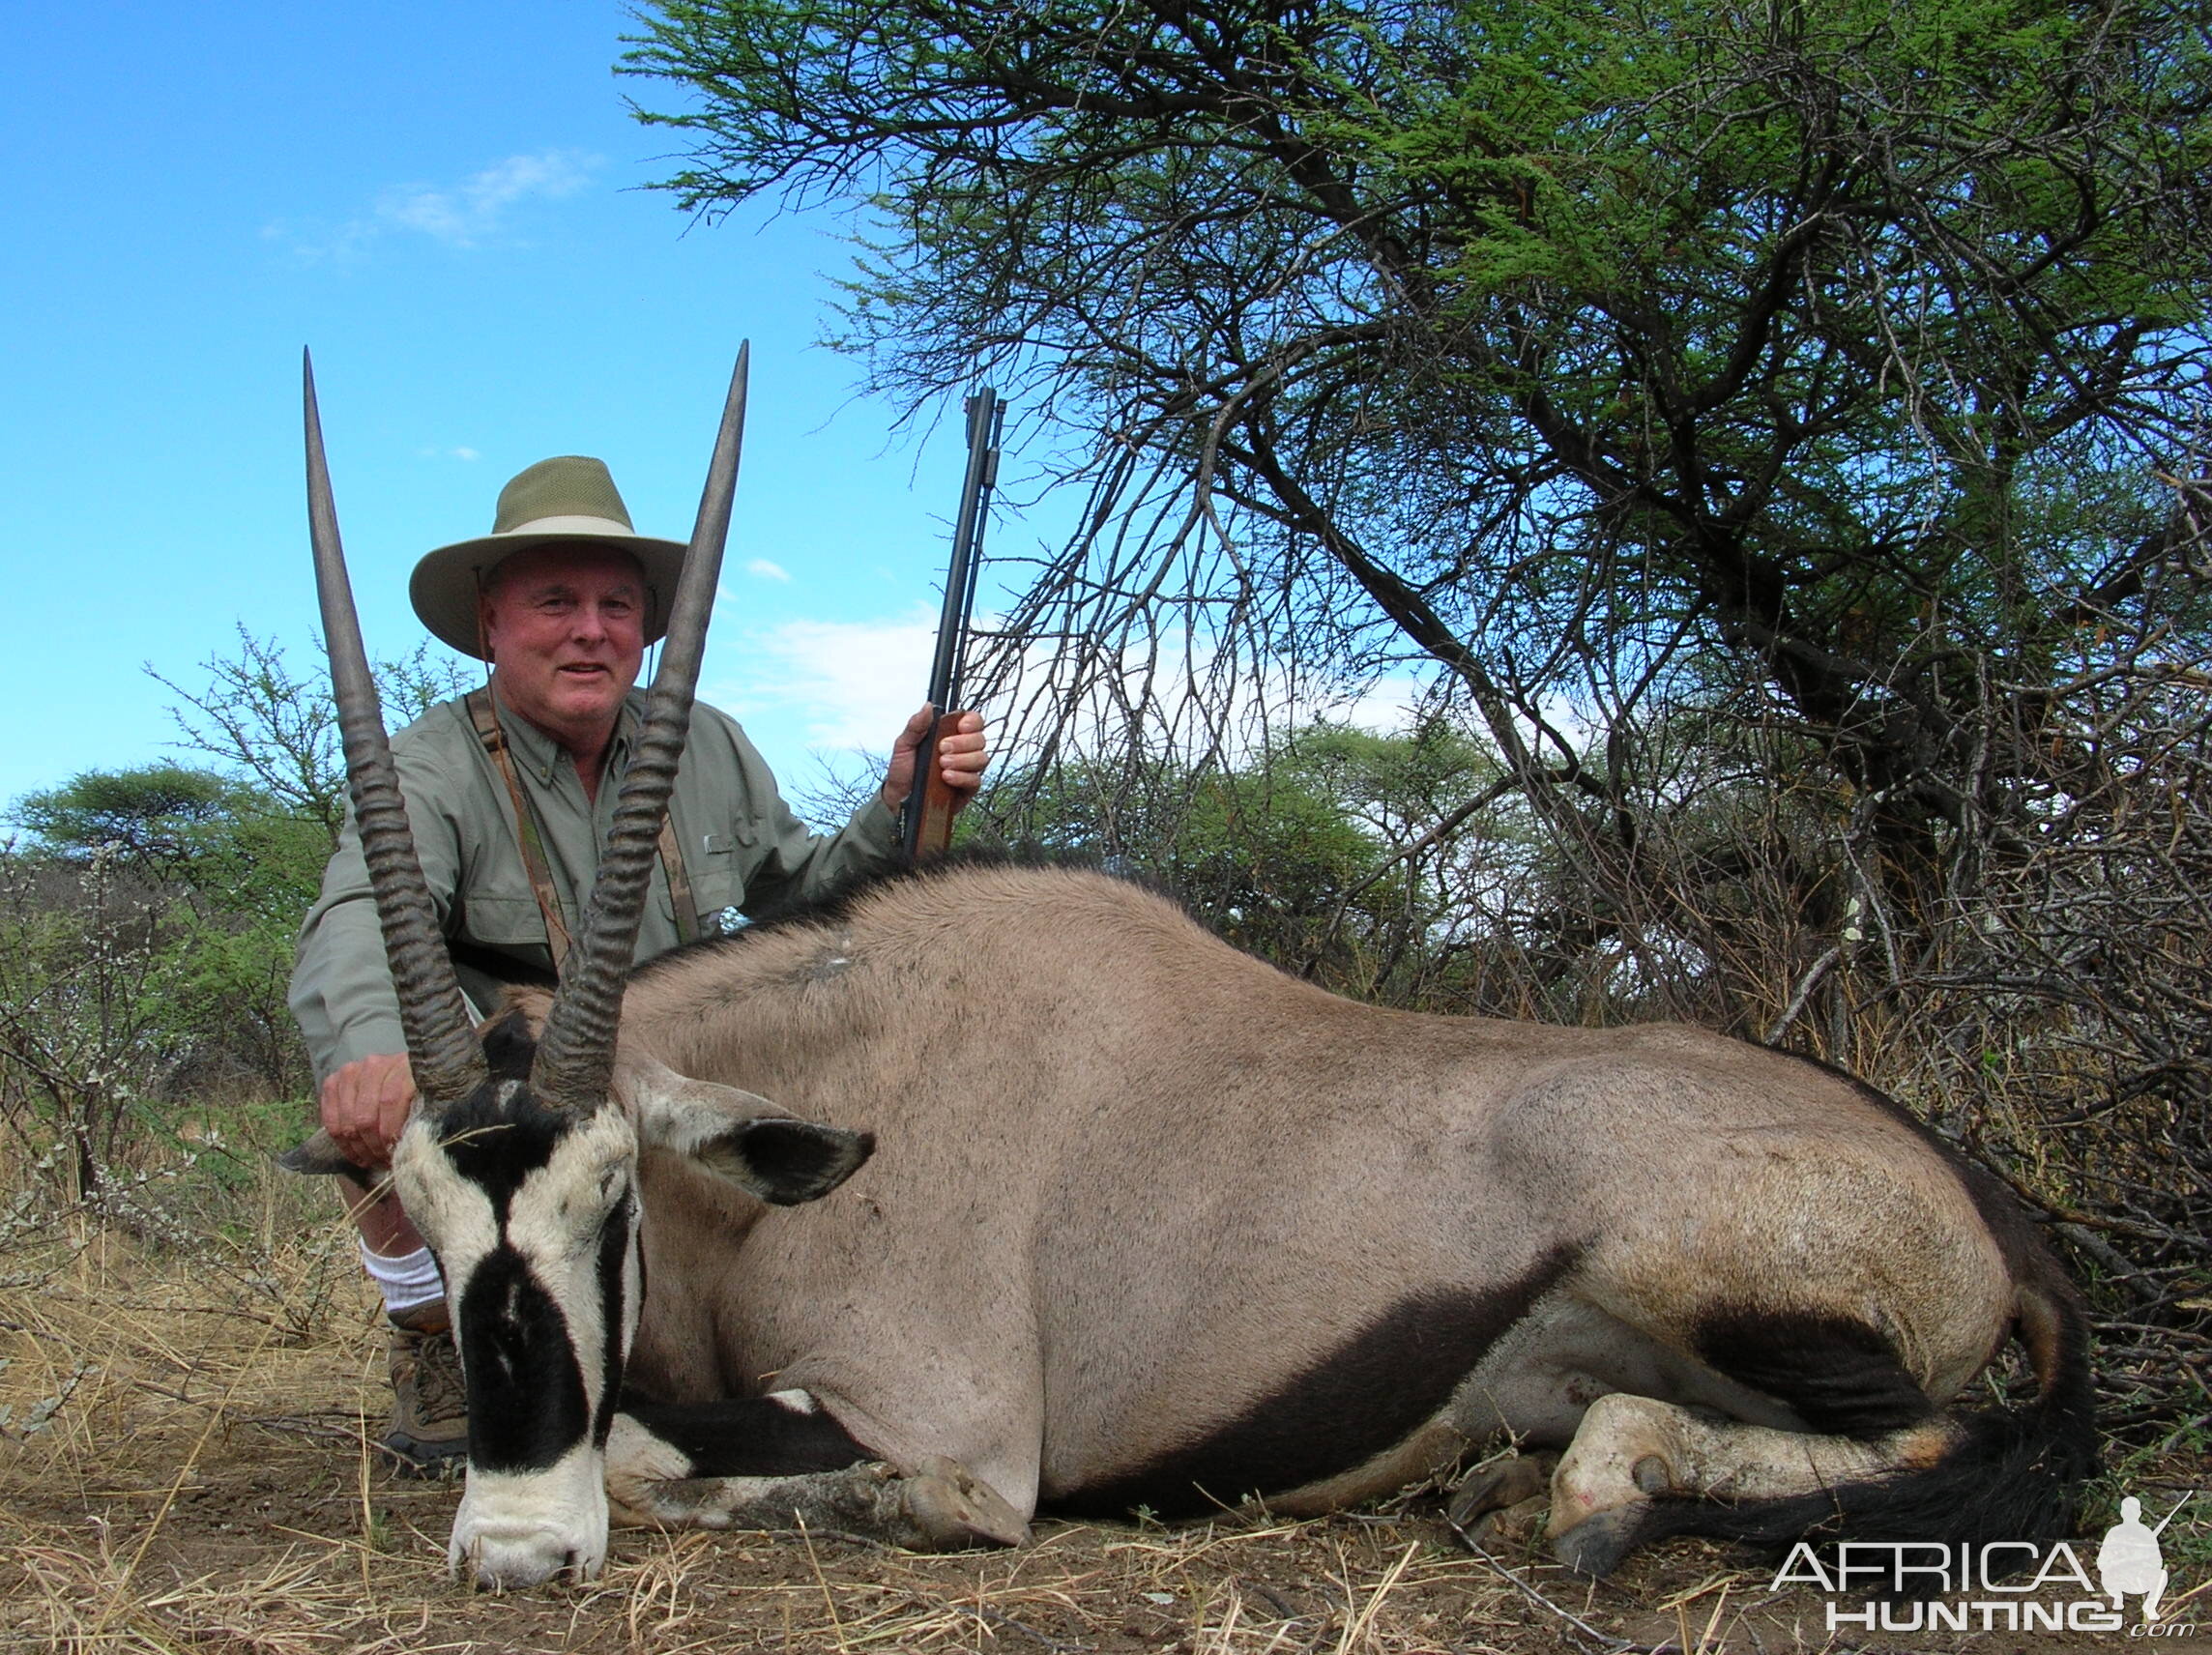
{"x":570,"y":499}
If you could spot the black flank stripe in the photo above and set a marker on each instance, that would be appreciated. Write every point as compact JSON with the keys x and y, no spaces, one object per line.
{"x":1843,"y":1378}
{"x":748,"y":1436}
{"x":1369,"y":1394}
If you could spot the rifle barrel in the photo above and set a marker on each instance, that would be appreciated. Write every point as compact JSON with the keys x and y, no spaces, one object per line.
{"x":928,"y":824}
{"x":950,"y":661}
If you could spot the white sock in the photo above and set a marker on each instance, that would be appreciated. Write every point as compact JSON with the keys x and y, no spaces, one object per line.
{"x":410,"y":1280}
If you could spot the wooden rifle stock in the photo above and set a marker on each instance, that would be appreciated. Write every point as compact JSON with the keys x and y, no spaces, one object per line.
{"x":930,"y":805}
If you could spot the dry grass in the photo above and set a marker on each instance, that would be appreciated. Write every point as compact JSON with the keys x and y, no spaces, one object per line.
{"x":185,"y":1469}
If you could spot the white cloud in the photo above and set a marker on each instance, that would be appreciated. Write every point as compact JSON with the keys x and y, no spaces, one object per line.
{"x":845,"y":687}
{"x":477,"y":209}
{"x":767,"y":570}
{"x":465,"y":214}
{"x":851,"y":684}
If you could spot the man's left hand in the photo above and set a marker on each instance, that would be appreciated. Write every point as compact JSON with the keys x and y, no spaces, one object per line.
{"x":961,"y":755}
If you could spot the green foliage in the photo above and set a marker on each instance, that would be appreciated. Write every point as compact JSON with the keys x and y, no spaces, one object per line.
{"x":229,"y":843}
{"x":1850,"y":357}
{"x":156,"y":818}
{"x":147,"y":915}
{"x":1853,"y":263}
{"x":223,"y":871}
{"x":1315,"y":852}
{"x":277,"y":731}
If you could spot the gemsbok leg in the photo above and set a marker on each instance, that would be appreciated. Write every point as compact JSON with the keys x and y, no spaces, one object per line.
{"x":781,"y":1461}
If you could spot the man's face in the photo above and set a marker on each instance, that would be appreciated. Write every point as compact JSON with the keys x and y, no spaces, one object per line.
{"x":567,"y":630}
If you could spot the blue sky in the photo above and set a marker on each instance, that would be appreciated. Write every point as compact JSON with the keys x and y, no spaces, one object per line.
{"x":444,"y":202}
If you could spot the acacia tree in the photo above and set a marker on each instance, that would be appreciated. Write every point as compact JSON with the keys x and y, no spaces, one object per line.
{"x":277,"y":733}
{"x":1849,"y":358}
{"x":1779,"y":428}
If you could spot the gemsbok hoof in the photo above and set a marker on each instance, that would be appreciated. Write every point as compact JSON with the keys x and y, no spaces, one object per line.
{"x":1596,"y":1545}
{"x":954,"y":1510}
{"x":1501,"y":1484}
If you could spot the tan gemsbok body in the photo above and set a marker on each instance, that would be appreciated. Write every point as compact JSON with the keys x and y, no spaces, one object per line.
{"x":1150,"y":1223}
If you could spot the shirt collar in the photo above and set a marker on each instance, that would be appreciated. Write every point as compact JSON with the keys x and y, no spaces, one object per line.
{"x":542,"y":755}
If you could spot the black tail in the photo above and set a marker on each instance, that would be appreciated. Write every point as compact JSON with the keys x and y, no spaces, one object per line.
{"x":2009,"y":1473}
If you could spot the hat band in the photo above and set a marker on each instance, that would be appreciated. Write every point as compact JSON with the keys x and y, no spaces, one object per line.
{"x":595,"y":528}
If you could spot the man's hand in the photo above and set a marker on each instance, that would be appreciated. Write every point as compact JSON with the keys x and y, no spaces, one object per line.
{"x":960,"y":757}
{"x":365,"y":1105}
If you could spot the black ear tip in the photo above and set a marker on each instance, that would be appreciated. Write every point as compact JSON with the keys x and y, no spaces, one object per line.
{"x":792,"y":1161}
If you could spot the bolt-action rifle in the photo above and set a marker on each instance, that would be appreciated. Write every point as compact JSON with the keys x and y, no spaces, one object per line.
{"x":930,"y":803}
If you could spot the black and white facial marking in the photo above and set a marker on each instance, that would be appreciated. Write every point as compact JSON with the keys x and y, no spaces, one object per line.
{"x":533,"y":1215}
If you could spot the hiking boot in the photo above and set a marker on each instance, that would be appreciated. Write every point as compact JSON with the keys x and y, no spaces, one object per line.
{"x":430,"y":1434}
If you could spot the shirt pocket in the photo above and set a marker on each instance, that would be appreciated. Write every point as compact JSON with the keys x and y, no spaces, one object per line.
{"x":504,"y":920}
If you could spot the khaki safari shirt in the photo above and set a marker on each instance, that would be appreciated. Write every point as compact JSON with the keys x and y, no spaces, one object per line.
{"x":743,"y":850}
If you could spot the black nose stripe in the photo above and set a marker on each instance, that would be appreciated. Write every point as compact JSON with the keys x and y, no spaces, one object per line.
{"x":526,"y":1393}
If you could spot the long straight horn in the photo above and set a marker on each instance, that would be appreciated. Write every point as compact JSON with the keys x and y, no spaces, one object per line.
{"x":440,"y":1047}
{"x":576,"y":1052}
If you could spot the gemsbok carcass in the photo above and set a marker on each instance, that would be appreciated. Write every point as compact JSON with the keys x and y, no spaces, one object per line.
{"x":1150,"y":1223}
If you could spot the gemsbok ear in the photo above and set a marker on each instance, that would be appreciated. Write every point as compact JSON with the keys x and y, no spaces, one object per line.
{"x":321,"y":1157}
{"x":786,"y":1161}
{"x":739,"y":1135}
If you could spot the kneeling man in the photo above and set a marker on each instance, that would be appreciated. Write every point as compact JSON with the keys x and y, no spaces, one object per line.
{"x":510,"y":792}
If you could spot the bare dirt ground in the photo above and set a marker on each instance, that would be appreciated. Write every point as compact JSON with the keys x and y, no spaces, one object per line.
{"x":183,"y":1467}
